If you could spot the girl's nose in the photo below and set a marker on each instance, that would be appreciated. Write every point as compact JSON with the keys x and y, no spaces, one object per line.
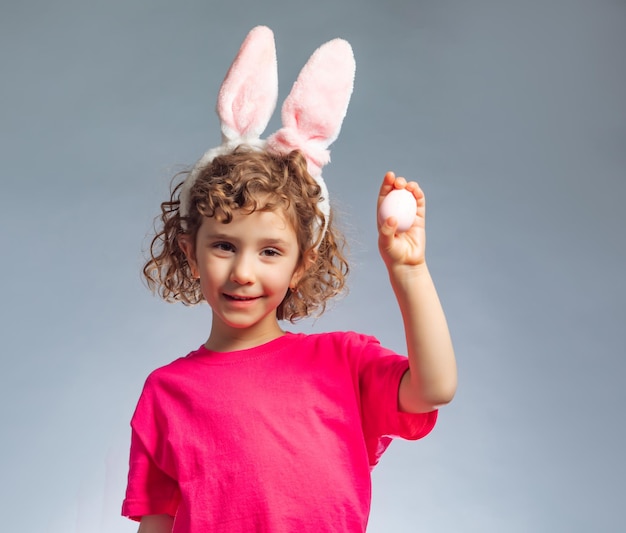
{"x":242,"y":272}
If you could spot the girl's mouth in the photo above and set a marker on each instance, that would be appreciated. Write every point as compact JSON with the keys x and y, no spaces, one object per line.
{"x":236,"y":298}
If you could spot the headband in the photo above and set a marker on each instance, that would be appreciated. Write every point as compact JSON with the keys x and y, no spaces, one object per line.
{"x":311,"y":115}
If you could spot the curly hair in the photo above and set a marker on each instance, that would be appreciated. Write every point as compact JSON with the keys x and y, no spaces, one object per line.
{"x":252,"y":181}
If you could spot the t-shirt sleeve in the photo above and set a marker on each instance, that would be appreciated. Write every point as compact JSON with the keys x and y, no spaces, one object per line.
{"x":150,"y":489}
{"x":379,"y":381}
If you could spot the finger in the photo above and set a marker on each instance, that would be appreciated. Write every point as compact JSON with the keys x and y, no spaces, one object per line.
{"x":400,"y":183}
{"x":386,"y":186}
{"x":416,"y":190}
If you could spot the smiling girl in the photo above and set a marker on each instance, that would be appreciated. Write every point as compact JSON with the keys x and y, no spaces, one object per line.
{"x":260,"y":429}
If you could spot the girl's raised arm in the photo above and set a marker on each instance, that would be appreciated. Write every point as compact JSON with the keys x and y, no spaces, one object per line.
{"x":432,"y":377}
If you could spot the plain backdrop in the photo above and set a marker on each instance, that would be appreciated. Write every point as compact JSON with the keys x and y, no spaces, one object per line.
{"x":510,"y":114}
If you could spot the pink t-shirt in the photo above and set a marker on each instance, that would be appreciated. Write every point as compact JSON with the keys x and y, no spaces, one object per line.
{"x":277,"y":438}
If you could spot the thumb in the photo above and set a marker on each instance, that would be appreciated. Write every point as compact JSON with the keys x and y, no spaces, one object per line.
{"x":386,"y":233}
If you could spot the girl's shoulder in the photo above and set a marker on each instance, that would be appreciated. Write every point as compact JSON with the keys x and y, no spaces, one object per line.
{"x":177,"y":367}
{"x":341,"y":339}
{"x":344,"y":345}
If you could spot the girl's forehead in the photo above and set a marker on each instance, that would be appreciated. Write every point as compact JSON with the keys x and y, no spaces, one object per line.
{"x":272,"y":222}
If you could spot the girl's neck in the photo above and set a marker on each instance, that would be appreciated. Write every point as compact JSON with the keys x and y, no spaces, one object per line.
{"x":224,"y":339}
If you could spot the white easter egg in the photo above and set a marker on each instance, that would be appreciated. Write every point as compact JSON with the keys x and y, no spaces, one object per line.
{"x":400,"y":204}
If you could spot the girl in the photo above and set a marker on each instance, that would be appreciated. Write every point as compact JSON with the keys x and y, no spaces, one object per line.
{"x":260,"y":429}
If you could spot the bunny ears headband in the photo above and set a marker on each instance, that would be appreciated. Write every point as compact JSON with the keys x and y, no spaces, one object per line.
{"x":312,"y":113}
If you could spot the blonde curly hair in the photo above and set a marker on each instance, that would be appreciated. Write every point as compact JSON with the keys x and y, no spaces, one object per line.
{"x":252,"y":181}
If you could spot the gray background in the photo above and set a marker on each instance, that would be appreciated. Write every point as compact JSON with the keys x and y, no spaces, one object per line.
{"x":512,"y":116}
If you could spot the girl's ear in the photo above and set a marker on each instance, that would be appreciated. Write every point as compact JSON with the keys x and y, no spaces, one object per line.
{"x":188,"y":247}
{"x":307,"y":262}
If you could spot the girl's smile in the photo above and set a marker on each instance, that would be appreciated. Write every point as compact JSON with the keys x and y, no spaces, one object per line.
{"x":237,"y":298}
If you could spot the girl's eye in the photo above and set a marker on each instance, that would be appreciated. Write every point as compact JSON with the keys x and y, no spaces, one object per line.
{"x":271,"y":252}
{"x":224,"y":246}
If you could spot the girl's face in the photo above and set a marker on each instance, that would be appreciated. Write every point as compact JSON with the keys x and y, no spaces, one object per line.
{"x":245,"y":268}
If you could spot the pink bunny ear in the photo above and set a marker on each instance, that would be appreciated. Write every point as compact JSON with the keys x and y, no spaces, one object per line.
{"x":245,"y":102}
{"x":316,"y":106}
{"x":248,"y":94}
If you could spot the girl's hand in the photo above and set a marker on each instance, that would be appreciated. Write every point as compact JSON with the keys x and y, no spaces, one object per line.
{"x":407,"y":248}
